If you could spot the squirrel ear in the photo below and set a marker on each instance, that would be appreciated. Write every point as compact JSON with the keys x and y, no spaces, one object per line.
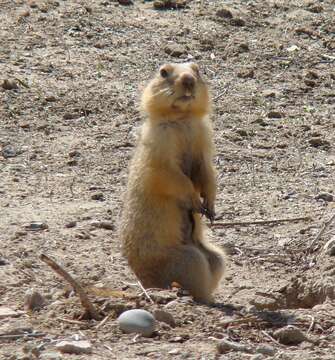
{"x":195,"y":67}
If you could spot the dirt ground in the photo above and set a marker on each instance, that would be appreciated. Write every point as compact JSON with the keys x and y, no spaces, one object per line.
{"x":71,"y":75}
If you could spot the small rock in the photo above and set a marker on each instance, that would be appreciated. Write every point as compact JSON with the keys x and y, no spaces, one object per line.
{"x":266,"y":350}
{"x":243,"y":47}
{"x":98,"y":197}
{"x":246,"y":73}
{"x":237,"y":22}
{"x":33,"y":300}
{"x":8,"y":312}
{"x":325,"y":197}
{"x":3,"y":262}
{"x":70,"y":116}
{"x":270,"y":93}
{"x":50,"y":98}
{"x":311,"y":74}
{"x":107,"y":225}
{"x":169,"y":4}
{"x":174,"y":352}
{"x":289,"y":335}
{"x":24,"y":125}
{"x":166,"y":317}
{"x":315,"y":8}
{"x":175,"y":50}
{"x":137,"y":321}
{"x":8,"y":151}
{"x":125,"y":2}
{"x":293,"y":48}
{"x":257,"y":357}
{"x":71,"y":224}
{"x":9,"y":84}
{"x":318,"y":142}
{"x":242,"y":132}
{"x":73,"y":162}
{"x":309,"y":82}
{"x":329,"y":247}
{"x":74,"y":153}
{"x":75,"y":347}
{"x":36,"y":226}
{"x":179,"y":339}
{"x":224,"y":13}
{"x":275,"y":114}
{"x":51,"y":355}
{"x":24,"y":13}
{"x":224,"y":346}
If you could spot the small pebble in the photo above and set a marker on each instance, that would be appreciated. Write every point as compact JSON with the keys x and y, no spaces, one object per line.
{"x":166,"y":317}
{"x":266,"y":350}
{"x":50,"y":356}
{"x":75,"y":347}
{"x":71,"y":224}
{"x":137,"y":321}
{"x":98,"y":197}
{"x":275,"y":115}
{"x":325,"y":197}
{"x":246,"y":73}
{"x":289,"y":335}
{"x":33,"y":300}
{"x":329,"y":247}
{"x":125,"y":2}
{"x":237,"y":22}
{"x":37,"y":225}
{"x":9,"y":152}
{"x":318,"y":141}
{"x":3,"y":262}
{"x":224,"y":346}
{"x":107,"y":225}
{"x":175,"y":50}
{"x":224,"y":13}
{"x":8,"y":312}
{"x":9,"y":84}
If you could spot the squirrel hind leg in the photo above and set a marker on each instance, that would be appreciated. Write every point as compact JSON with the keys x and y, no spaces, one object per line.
{"x":189,"y":267}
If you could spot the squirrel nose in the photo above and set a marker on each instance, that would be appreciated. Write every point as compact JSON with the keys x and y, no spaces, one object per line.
{"x":188,"y":81}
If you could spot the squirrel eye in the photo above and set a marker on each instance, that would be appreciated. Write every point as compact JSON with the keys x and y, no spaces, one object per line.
{"x":164,"y":73}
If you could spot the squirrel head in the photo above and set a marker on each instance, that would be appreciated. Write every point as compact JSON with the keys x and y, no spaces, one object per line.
{"x":176,"y":92}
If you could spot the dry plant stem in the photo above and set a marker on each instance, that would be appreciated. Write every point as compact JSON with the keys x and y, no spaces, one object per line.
{"x":271,"y":338}
{"x":88,"y":306}
{"x":320,"y":233}
{"x":145,"y":292}
{"x":103,"y":322}
{"x":246,"y":320}
{"x":257,"y":222}
{"x":20,"y":336}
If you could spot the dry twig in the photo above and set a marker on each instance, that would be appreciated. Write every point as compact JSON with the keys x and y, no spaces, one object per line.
{"x":320,"y":233}
{"x":145,"y":292}
{"x":88,"y":306}
{"x":258,"y":222}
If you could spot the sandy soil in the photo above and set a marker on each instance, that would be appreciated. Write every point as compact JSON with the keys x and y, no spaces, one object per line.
{"x":71,"y":75}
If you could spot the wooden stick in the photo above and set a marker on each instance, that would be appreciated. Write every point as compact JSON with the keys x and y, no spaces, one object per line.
{"x":320,"y":233}
{"x":257,"y":222}
{"x":145,"y":292}
{"x":88,"y":306}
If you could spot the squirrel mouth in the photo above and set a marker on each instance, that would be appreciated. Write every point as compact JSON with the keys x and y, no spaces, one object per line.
{"x":188,"y":96}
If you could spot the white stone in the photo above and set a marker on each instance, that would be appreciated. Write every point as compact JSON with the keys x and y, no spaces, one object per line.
{"x":8,"y":312}
{"x":75,"y":347}
{"x":137,"y":321}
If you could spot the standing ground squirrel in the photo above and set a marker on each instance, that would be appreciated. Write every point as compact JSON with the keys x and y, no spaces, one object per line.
{"x":170,"y":172}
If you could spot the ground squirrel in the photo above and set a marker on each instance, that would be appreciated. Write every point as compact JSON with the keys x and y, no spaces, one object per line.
{"x":170,"y":172}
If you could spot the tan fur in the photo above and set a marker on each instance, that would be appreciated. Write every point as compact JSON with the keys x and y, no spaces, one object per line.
{"x":170,"y":172}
